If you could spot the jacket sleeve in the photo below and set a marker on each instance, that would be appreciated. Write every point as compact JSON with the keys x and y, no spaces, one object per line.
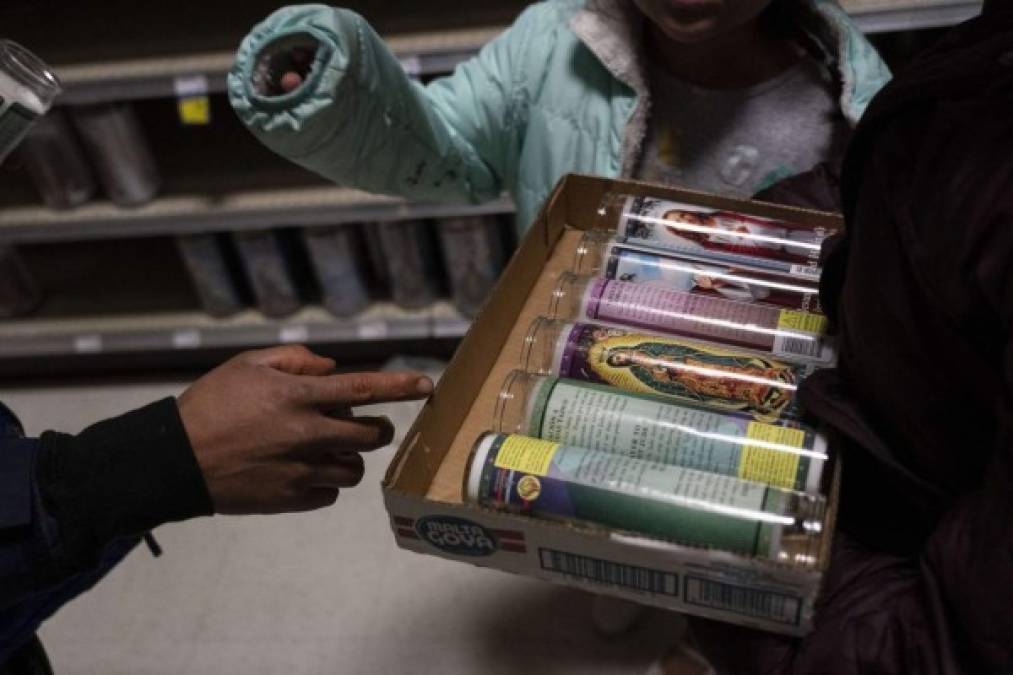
{"x":971,"y":552}
{"x":360,"y":121}
{"x":877,"y":613}
{"x":819,"y":188}
{"x":971,"y":556}
{"x":65,"y":498}
{"x":948,"y":609}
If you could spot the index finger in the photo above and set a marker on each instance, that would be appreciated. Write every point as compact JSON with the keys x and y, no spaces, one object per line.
{"x":354,"y":389}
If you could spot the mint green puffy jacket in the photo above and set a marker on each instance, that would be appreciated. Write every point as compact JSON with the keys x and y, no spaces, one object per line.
{"x":562,"y":90}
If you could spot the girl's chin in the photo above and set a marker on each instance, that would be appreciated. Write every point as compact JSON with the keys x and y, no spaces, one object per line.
{"x":689,"y":32}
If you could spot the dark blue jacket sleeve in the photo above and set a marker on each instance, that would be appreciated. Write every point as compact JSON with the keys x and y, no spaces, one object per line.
{"x":71,"y":506}
{"x":24,"y":531}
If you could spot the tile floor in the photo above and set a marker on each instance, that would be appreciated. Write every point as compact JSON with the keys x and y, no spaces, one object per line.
{"x":324,"y":592}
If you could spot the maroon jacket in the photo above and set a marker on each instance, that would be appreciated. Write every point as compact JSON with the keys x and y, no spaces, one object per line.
{"x":921,"y":290}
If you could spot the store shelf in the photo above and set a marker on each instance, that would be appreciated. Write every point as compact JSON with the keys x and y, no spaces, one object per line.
{"x":238,"y":210}
{"x":884,"y":16}
{"x":183,"y":331}
{"x":422,"y":54}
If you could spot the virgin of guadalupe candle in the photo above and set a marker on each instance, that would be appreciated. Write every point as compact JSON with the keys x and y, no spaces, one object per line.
{"x":681,"y":370}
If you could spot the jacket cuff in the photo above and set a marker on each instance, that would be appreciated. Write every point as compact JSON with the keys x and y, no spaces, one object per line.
{"x":333,"y":33}
{"x":120,"y":477}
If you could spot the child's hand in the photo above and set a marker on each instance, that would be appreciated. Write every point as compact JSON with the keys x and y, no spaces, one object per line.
{"x":301,"y":60}
{"x":290,"y":81}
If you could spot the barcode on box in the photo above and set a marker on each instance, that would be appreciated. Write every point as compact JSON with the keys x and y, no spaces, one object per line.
{"x":808,"y":272}
{"x":743,"y":600}
{"x":608,"y":573}
{"x":808,"y":347}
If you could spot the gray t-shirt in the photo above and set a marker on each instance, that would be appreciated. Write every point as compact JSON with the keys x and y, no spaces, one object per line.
{"x":736,"y":142}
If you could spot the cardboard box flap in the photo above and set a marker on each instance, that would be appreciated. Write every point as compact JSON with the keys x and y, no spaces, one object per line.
{"x":431,"y":436}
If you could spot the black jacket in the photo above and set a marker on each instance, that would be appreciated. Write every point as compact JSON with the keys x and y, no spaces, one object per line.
{"x":921,"y":291}
{"x":71,"y":507}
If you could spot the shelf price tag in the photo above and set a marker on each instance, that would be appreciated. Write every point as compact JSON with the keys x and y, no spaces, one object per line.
{"x":294,"y":333}
{"x":372,"y":330}
{"x":186,"y":338}
{"x":412,"y":65}
{"x":450,"y":328}
{"x":88,"y":343}
{"x":192,"y":102}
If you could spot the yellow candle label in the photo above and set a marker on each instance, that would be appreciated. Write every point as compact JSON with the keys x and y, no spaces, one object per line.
{"x":768,"y":464}
{"x":805,"y":322}
{"x":526,"y":455}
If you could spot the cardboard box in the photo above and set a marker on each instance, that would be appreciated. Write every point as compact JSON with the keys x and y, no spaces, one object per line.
{"x":423,"y":485}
